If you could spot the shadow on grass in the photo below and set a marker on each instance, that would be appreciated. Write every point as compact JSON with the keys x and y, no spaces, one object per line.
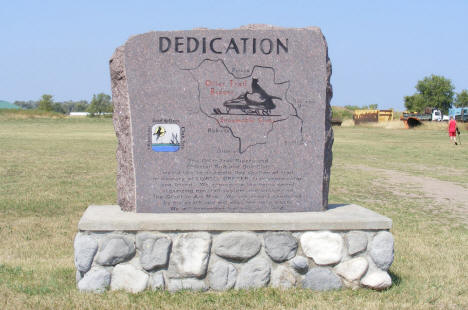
{"x":396,"y":279}
{"x":336,"y":205}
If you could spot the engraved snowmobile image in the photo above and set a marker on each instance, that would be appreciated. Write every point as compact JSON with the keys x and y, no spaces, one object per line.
{"x":257,"y":102}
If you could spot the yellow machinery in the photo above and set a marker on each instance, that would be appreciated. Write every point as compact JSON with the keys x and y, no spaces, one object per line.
{"x":385,"y":115}
{"x":366,"y":116}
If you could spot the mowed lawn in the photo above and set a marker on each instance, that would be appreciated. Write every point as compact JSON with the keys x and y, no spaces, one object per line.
{"x":52,"y":169}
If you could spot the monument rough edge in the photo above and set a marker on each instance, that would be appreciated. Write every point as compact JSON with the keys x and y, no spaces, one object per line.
{"x":126,"y":195}
{"x":126,"y":189}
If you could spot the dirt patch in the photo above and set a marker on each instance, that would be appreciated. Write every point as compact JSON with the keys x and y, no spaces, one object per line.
{"x":436,"y":169}
{"x":445,"y":196}
{"x":394,"y":124}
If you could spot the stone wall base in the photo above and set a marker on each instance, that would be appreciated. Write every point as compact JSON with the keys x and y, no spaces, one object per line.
{"x":215,"y":259}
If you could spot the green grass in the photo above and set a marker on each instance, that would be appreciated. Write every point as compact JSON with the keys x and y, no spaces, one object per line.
{"x":52,"y":169}
{"x":49,"y":166}
{"x":418,"y":152}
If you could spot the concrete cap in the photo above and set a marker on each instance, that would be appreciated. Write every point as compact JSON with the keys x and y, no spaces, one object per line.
{"x":337,"y":217}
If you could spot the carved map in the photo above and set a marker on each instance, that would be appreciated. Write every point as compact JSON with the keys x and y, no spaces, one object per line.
{"x":248,"y":105}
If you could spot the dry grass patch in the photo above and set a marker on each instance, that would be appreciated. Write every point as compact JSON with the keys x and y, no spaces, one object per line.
{"x":394,"y":124}
{"x":12,"y":114}
{"x":52,"y":169}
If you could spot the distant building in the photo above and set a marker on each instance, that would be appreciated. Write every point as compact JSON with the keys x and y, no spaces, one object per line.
{"x":79,"y":113}
{"x":87,"y":113}
{"x":8,"y":105}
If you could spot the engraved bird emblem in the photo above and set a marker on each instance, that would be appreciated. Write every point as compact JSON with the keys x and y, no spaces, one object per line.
{"x":159,"y":132}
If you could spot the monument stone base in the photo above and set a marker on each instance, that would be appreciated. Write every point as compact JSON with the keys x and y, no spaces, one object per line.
{"x":345,"y":246}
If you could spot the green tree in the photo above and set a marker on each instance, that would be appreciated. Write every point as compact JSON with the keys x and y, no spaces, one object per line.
{"x":101,"y":103}
{"x":415,"y":103}
{"x":28,"y":105}
{"x":58,"y":107}
{"x":462,"y":99}
{"x":352,"y":107}
{"x":75,"y":106}
{"x":46,"y":103}
{"x":433,"y":91}
{"x":80,"y":106}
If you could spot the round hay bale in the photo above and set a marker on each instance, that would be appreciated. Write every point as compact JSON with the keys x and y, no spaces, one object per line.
{"x":347,"y":123}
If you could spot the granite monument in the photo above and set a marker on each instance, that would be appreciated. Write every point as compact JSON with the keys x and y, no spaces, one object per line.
{"x":224,"y":152}
{"x":223,"y":120}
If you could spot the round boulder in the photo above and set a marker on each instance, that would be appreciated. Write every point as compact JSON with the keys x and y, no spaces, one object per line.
{"x":324,"y":247}
{"x":222,"y":276}
{"x":237,"y":245}
{"x":381,"y":250}
{"x":356,"y":241}
{"x":254,"y":274}
{"x":190,"y":255}
{"x":283,"y":277}
{"x":321,"y":279}
{"x":353,"y":269}
{"x":127,"y":277}
{"x":280,"y":246}
{"x":85,"y":249}
{"x":300,"y":264}
{"x":377,"y":280}
{"x":95,"y":280}
{"x":115,"y":249}
{"x":154,"y":250}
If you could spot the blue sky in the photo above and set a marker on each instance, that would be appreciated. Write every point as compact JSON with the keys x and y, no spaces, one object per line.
{"x":379,"y":49}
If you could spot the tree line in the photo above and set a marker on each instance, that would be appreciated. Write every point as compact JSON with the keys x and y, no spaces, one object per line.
{"x":99,"y":105}
{"x":435,"y":91}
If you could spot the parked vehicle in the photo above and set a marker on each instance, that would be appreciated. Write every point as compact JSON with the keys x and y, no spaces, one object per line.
{"x":459,"y":114}
{"x":429,"y":114}
{"x":436,"y":115}
{"x":413,"y":119}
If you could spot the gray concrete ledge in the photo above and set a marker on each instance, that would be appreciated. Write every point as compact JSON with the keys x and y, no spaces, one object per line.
{"x":338,"y":217}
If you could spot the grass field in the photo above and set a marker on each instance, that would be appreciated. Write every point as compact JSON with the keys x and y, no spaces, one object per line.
{"x":52,"y":169}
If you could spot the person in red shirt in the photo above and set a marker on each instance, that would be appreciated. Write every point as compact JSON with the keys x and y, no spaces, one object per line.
{"x":452,"y":128}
